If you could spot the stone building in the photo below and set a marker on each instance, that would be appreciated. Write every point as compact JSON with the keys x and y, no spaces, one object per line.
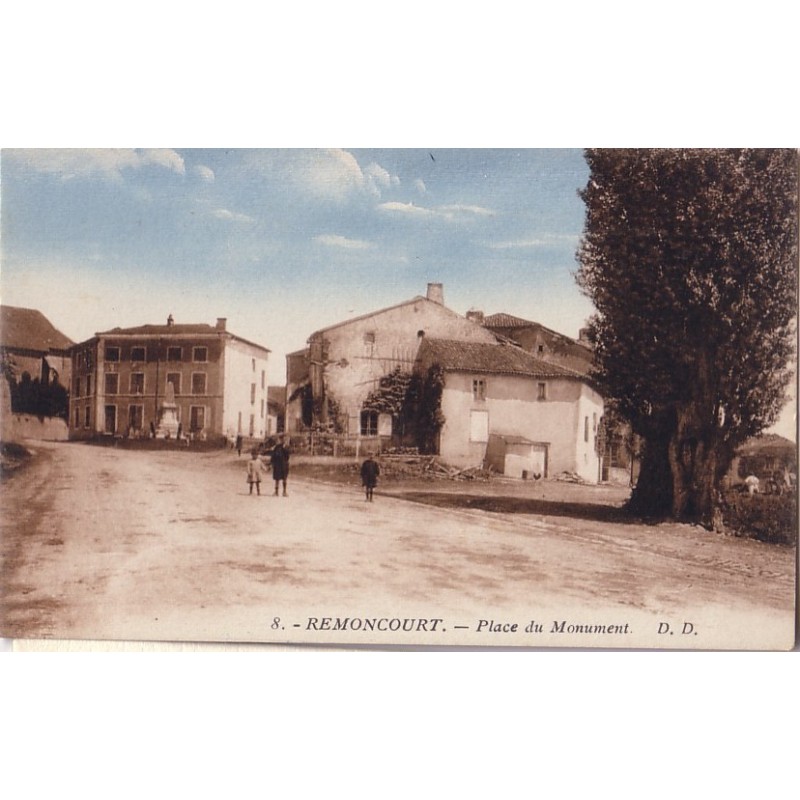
{"x":544,"y":343}
{"x":30,"y":344}
{"x":328,"y":381}
{"x":154,"y":379}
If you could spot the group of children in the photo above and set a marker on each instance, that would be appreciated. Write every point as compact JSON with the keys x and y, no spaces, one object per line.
{"x":279,"y":459}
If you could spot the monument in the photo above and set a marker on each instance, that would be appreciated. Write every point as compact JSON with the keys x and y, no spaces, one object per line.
{"x":168,"y":416}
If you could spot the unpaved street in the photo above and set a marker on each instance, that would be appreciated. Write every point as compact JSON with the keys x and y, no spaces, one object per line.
{"x":111,"y":543}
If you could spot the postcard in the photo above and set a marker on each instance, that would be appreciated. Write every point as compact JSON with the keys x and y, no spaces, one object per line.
{"x":400,"y":398}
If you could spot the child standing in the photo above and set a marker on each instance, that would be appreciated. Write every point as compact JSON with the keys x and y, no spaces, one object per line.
{"x":369,"y":476}
{"x":254,"y":473}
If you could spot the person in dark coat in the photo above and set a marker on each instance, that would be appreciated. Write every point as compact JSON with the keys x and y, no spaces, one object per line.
{"x":369,"y":476}
{"x":239,"y":444}
{"x":280,"y":464}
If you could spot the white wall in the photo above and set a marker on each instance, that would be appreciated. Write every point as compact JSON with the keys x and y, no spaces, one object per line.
{"x":239,"y":377}
{"x":514,"y":409}
{"x":355,"y":366}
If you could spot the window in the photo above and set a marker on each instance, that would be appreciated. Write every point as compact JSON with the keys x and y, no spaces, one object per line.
{"x":369,"y":337}
{"x":479,"y":389}
{"x":594,"y":423}
{"x":198,"y":383}
{"x":586,"y":429}
{"x":80,"y":359}
{"x":88,"y":384}
{"x":174,"y":354}
{"x":88,"y":359}
{"x":137,"y":382}
{"x":87,"y":417}
{"x":112,"y":383}
{"x":263,"y":379}
{"x":540,"y":349}
{"x":262,"y":409}
{"x":135,"y":417}
{"x":112,"y":353}
{"x":200,"y":354}
{"x":254,"y":365}
{"x":252,"y":425}
{"x":174,"y":378}
{"x":369,"y":423}
{"x":252,"y":394}
{"x":77,"y":418}
{"x":138,"y":354}
{"x":77,"y":386}
{"x":541,"y":391}
{"x":479,"y":426}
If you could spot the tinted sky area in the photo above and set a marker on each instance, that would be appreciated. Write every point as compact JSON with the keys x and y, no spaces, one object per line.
{"x":283,"y":242}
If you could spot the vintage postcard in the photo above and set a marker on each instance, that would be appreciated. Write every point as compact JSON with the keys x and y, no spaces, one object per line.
{"x":494,"y":398}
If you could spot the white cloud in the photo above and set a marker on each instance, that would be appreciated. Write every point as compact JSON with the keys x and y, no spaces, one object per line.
{"x":325,"y":174}
{"x":206,"y":174}
{"x":420,"y":186}
{"x":168,"y":159}
{"x":378,"y":179}
{"x":451,"y":213}
{"x":457,"y":208}
{"x":106,"y":163}
{"x":334,"y":240}
{"x":233,"y":216}
{"x":546,"y":240}
{"x":407,"y":208}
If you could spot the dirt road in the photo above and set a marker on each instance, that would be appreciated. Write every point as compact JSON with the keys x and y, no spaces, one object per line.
{"x":117,"y":544}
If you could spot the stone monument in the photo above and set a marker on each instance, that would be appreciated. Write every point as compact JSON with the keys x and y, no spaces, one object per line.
{"x":168,"y":416}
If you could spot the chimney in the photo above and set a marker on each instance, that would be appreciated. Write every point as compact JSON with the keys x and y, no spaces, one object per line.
{"x":475,"y":316}
{"x":222,"y":323}
{"x":583,"y":336}
{"x":170,"y":321}
{"x":436,"y":293}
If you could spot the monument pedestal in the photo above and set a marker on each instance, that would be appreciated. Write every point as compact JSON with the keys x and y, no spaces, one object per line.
{"x":168,"y":423}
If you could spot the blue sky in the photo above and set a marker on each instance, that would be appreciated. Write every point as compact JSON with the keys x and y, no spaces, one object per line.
{"x":283,"y":242}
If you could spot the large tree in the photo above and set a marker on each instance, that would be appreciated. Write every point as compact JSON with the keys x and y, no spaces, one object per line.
{"x":690,"y":258}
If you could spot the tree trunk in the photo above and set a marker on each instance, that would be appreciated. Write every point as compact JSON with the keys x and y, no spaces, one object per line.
{"x":652,"y":496}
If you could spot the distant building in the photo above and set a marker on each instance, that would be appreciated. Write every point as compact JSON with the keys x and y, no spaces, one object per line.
{"x":30,"y":344}
{"x":544,"y":343}
{"x":276,"y":403}
{"x":328,"y":382}
{"x":504,"y":407}
{"x":120,"y":381}
{"x":764,"y":456}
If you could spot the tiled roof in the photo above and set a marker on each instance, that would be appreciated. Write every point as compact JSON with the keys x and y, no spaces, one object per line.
{"x":176,"y":329}
{"x":458,"y":356}
{"x":506,"y":321}
{"x":27,"y":328}
{"x":149,"y":330}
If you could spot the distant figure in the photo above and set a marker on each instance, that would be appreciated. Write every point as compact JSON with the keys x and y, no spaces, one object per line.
{"x":369,"y":476}
{"x":239,"y":444}
{"x":752,"y":484}
{"x":280,"y":464}
{"x":152,"y":430}
{"x":180,"y":431}
{"x":254,"y":472}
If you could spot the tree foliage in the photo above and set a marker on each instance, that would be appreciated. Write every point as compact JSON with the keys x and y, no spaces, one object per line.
{"x":690,"y":258}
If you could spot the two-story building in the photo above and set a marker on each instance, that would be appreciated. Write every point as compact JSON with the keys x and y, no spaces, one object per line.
{"x":506,"y":408}
{"x":208,"y":380}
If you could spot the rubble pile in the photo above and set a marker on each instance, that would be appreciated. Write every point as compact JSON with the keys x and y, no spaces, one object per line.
{"x":427,"y":468}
